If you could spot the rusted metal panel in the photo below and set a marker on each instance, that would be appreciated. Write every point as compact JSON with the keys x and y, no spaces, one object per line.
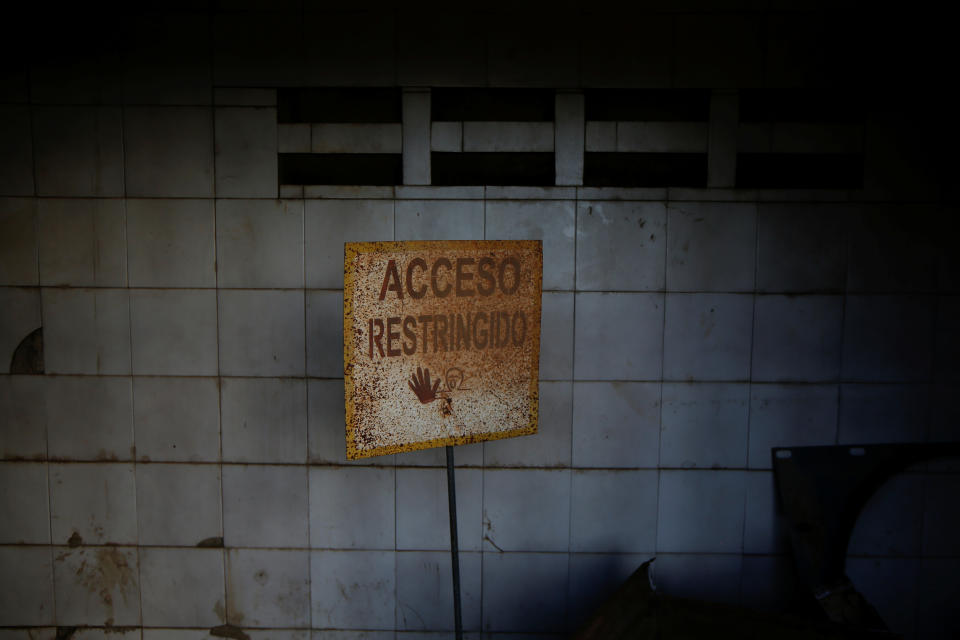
{"x":441,"y":343}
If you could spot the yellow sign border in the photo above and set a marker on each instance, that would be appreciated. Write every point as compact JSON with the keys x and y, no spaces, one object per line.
{"x":353,"y":249}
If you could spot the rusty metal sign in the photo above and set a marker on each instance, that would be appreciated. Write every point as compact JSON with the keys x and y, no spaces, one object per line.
{"x":441,"y":343}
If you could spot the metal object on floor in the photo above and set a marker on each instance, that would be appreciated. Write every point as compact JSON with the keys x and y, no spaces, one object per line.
{"x":822,"y":490}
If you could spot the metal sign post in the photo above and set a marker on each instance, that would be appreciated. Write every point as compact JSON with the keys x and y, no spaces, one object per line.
{"x":454,"y":545}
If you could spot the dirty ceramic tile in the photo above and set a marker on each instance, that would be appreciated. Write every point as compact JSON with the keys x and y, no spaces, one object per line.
{"x":556,"y":336}
{"x":174,"y":332}
{"x":884,"y":413}
{"x":260,"y":243}
{"x":886,"y":338}
{"x":891,"y":521}
{"x":549,"y":221}
{"x":23,"y":431}
{"x":24,"y":511}
{"x":710,"y":577}
{"x":93,"y":504}
{"x":424,"y":597}
{"x":356,"y":137}
{"x":423,"y":512}
{"x":353,"y":589}
{"x":801,"y":247}
{"x":261,"y":333}
{"x":797,"y":338}
{"x":325,"y":334}
{"x":176,"y":419}
{"x":182,"y":587}
{"x":701,"y":511}
{"x":892,"y":248}
{"x":704,"y":425}
{"x":707,"y":336}
{"x":439,"y":220}
{"x":325,"y":420}
{"x":18,"y":241}
{"x":711,"y":246}
{"x":550,"y":446}
{"x":246,"y":152}
{"x":89,"y":418}
{"x":594,"y":578}
{"x":168,"y":151}
{"x":636,"y":322}
{"x":621,"y":246}
{"x":293,"y":138}
{"x":79,"y":151}
{"x":179,"y":505}
{"x":525,"y":592}
{"x":799,"y":415}
{"x":263,"y":419}
{"x":329,"y":224}
{"x":19,"y":317}
{"x":616,"y":424}
{"x":893,"y":586}
{"x":96,"y":586}
{"x":86,"y":331}
{"x":30,"y":633}
{"x":28,"y":600}
{"x":508,"y":136}
{"x":264,"y":506}
{"x":82,"y":242}
{"x":352,"y":508}
{"x":613,"y":511}
{"x":764,"y":529}
{"x":470,"y":454}
{"x":568,"y":138}
{"x":16,"y":165}
{"x":171,"y":243}
{"x":526,"y":510}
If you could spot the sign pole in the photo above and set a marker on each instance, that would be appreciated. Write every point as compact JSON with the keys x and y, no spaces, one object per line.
{"x":454,"y":547}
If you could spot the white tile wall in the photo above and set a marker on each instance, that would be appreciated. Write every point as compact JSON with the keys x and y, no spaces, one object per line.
{"x":174,"y":332}
{"x":764,"y":526}
{"x":324,"y":334}
{"x":353,"y":589}
{"x":423,"y":512}
{"x":711,"y":246}
{"x":263,"y":419}
{"x":707,"y":336}
{"x":23,"y":431}
{"x":18,"y":241}
{"x":86,"y":331}
{"x":790,"y":416}
{"x":265,"y":506}
{"x":260,"y":243}
{"x":82,"y":242}
{"x":704,"y":425}
{"x":178,"y":504}
{"x":701,"y":512}
{"x":525,"y":592}
{"x":168,"y":152}
{"x":89,"y":418}
{"x":268,"y":588}
{"x":328,"y":224}
{"x":551,"y":222}
{"x":438,"y":220}
{"x":424,"y":596}
{"x":613,"y":511}
{"x":261,"y":332}
{"x":21,"y":316}
{"x":636,"y":321}
{"x":887,"y":338}
{"x":363,"y":501}
{"x":24,"y":508}
{"x":883,"y":413}
{"x":171,"y":243}
{"x":616,"y":424}
{"x":79,"y":151}
{"x":182,"y":587}
{"x":621,"y":246}
{"x":594,"y":577}
{"x":246,"y":152}
{"x":551,"y":445}
{"x":525,"y":510}
{"x":27,"y":600}
{"x":797,"y":338}
{"x":176,"y":419}
{"x":95,"y":501}
{"x":801,"y":247}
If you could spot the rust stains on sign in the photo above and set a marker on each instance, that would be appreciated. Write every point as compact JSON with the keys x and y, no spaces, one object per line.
{"x":441,"y":343}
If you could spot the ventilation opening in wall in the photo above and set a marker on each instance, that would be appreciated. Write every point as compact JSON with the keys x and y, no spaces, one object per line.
{"x":800,"y":139}
{"x":502,"y":169}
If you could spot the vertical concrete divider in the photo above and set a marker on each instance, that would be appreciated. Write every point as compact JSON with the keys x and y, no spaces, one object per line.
{"x":416,"y":136}
{"x":722,"y":146}
{"x":569,"y":138}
